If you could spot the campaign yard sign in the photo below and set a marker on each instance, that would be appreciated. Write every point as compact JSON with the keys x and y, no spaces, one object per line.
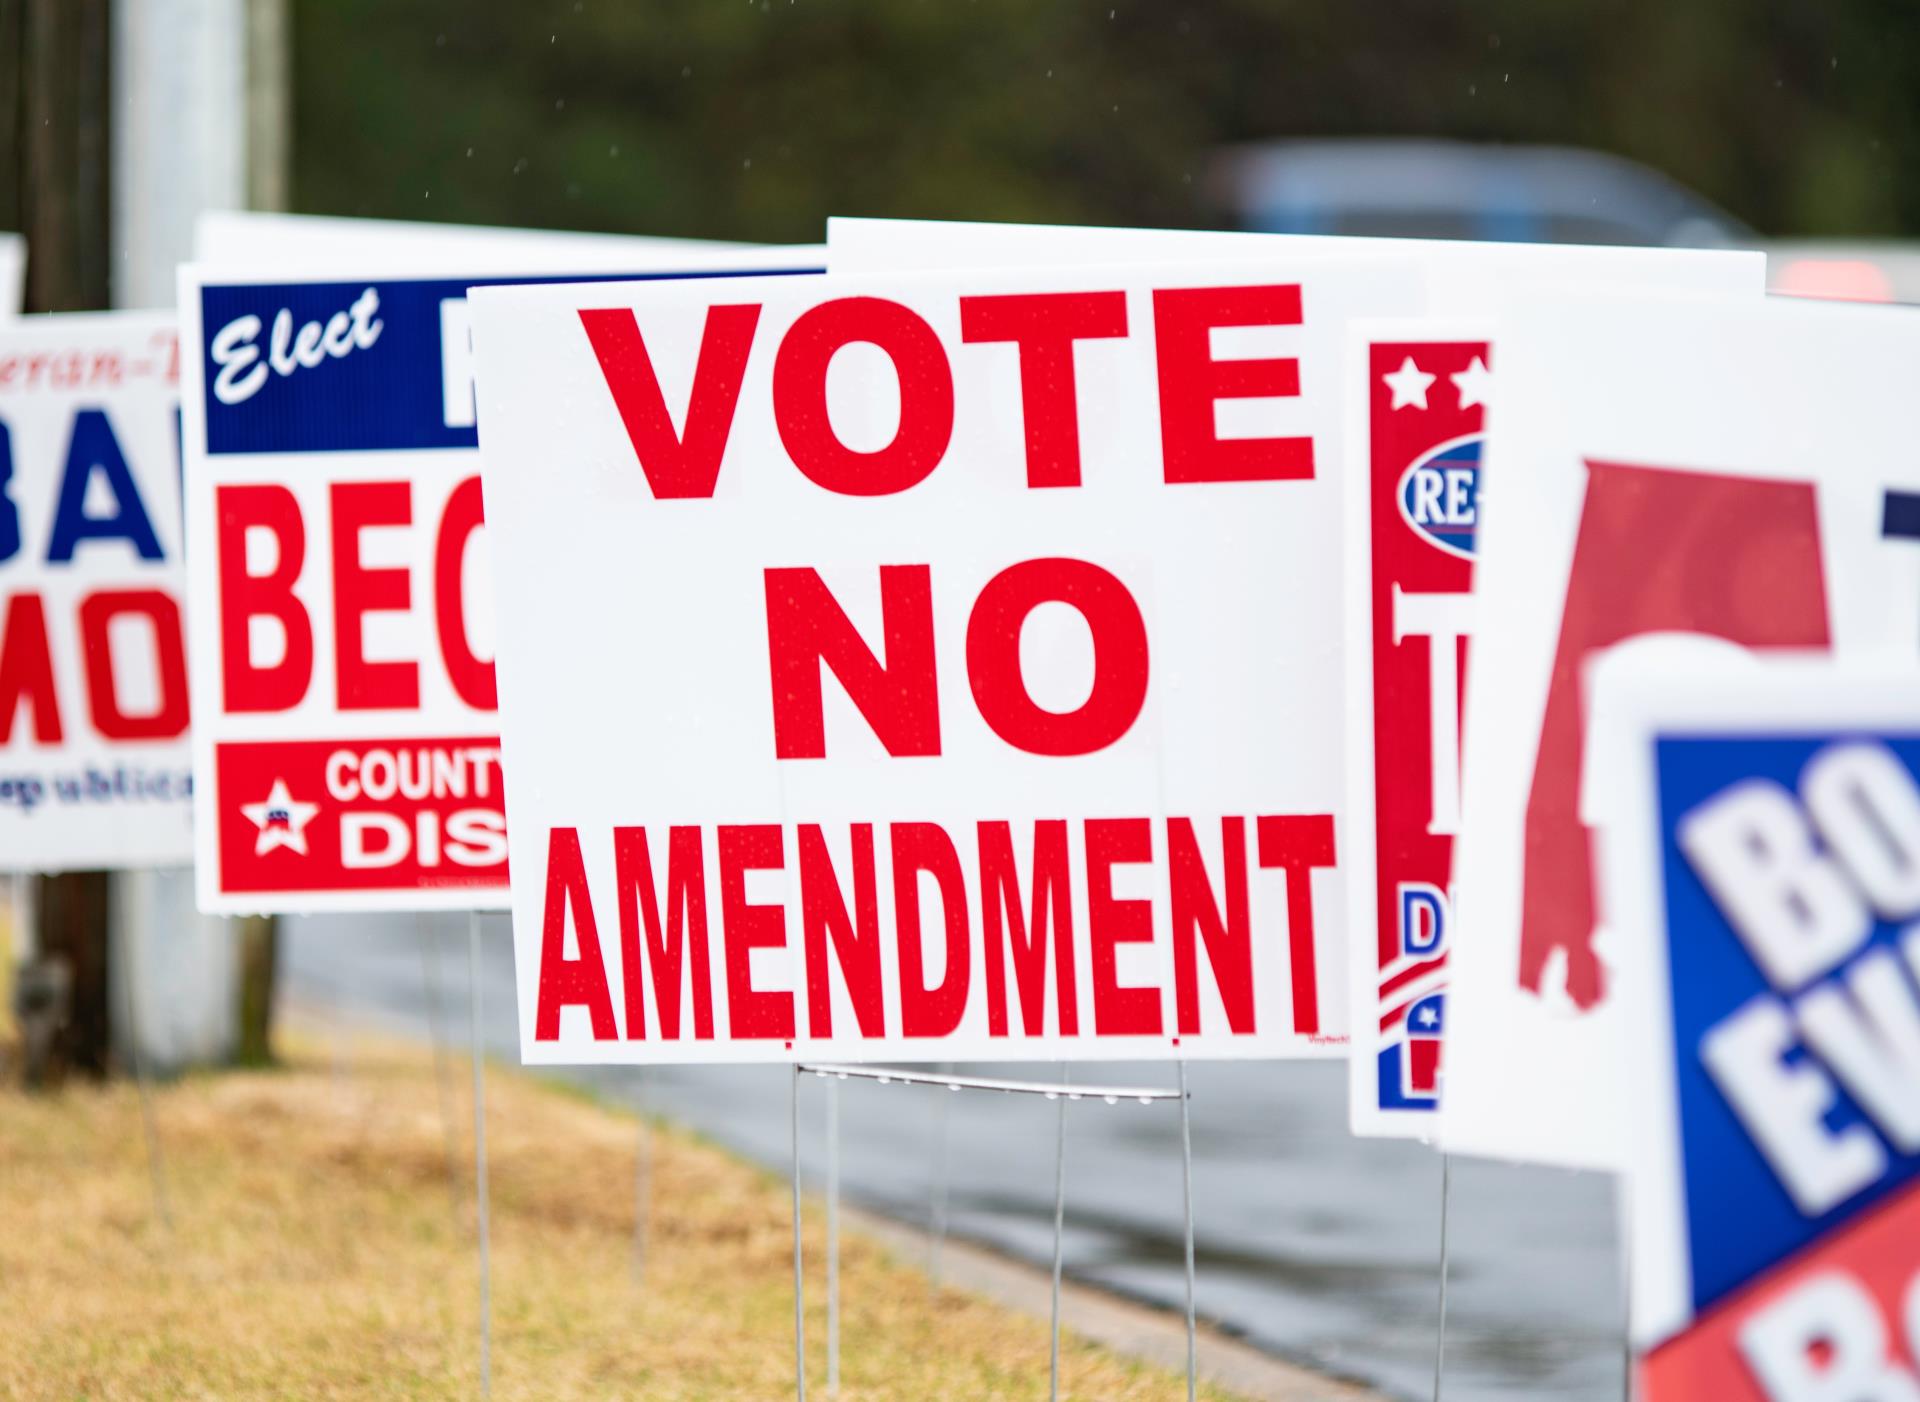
{"x":256,"y":240}
{"x":1764,"y":863}
{"x":1401,"y":912}
{"x":1676,"y":475}
{"x":13,"y":273}
{"x":925,"y":667}
{"x":346,"y":751}
{"x":1413,"y":490}
{"x":94,"y":768}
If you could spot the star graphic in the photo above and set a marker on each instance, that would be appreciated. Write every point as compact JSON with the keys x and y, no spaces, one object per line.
{"x":282,"y":820}
{"x":1409,"y":385}
{"x":1428,"y":1017}
{"x":1475,"y":384}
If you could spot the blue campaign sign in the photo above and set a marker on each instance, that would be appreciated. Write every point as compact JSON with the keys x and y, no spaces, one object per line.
{"x":1788,"y":1095}
{"x":318,"y":367}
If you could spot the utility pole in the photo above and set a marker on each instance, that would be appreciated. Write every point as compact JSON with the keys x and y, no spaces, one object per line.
{"x":54,"y":140}
{"x":120,"y":121}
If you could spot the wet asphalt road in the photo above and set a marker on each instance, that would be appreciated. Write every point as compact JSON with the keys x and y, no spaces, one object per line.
{"x":1311,"y":1244}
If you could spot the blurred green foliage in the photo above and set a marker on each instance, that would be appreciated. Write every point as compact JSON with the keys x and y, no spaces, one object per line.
{"x":754,"y":119}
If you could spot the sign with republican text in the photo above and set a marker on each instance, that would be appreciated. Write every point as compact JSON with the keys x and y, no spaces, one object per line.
{"x":94,"y":766}
{"x":925,"y":668}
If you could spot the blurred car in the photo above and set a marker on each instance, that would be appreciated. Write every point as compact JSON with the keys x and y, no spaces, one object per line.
{"x":1526,"y":194}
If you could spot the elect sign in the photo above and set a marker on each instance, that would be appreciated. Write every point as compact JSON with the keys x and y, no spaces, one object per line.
{"x":920,"y":668}
{"x":346,"y":743}
{"x":1777,"y":1189}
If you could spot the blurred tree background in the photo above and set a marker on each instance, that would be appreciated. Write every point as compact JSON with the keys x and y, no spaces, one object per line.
{"x":754,"y":119}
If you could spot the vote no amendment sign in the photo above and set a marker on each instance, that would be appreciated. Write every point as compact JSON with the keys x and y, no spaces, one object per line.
{"x":924,"y":667}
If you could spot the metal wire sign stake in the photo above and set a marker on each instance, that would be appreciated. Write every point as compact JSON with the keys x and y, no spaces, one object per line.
{"x":156,"y":1164}
{"x":1062,"y":1091}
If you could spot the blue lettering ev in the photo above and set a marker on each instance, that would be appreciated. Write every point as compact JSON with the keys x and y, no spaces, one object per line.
{"x":9,"y":511}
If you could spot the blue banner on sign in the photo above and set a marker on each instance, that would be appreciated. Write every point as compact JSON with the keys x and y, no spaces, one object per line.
{"x":323,"y":367}
{"x":1741,"y":1219}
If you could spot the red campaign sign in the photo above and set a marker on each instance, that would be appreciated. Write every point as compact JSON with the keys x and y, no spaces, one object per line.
{"x":361,"y":815}
{"x":1425,"y":407}
{"x":886,"y":810}
{"x":339,"y":604}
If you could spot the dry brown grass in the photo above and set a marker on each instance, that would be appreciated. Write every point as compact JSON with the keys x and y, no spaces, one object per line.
{"x":316,"y":1252}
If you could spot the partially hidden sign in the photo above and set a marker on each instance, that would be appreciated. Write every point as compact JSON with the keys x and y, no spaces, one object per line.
{"x":1686,"y":476}
{"x":346,"y":750}
{"x":1766,"y":867}
{"x":1413,"y":511}
{"x":925,"y":667}
{"x":94,"y":765}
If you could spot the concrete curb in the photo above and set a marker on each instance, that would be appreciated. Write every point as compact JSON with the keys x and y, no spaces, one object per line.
{"x":1137,"y":1331}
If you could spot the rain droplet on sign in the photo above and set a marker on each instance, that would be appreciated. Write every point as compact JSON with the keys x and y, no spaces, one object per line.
{"x":1112,"y":1099}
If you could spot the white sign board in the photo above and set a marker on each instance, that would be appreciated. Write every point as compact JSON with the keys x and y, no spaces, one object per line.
{"x":346,"y":752}
{"x":94,"y":766}
{"x":1666,"y":474}
{"x":925,"y":667}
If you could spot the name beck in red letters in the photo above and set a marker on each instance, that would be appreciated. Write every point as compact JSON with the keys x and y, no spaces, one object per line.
{"x":682,"y":917}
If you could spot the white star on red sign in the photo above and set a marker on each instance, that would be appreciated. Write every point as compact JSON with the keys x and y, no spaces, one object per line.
{"x":1474,"y":383}
{"x":1409,"y":385}
{"x":282,"y":820}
